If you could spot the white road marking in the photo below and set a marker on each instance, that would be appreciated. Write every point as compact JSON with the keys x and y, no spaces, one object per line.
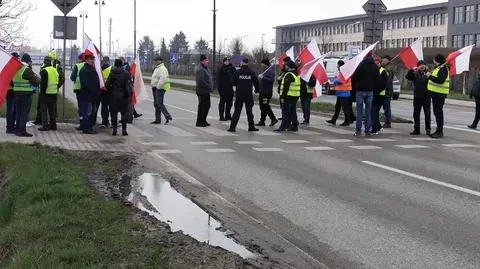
{"x":203,"y":143}
{"x":261,"y":132}
{"x":216,"y":131}
{"x":381,"y":140}
{"x":411,"y":146}
{"x":174,"y":131}
{"x":318,"y":148}
{"x":460,"y":146}
{"x":462,"y":129}
{"x":365,"y":147}
{"x":153,"y":143}
{"x":167,"y":151}
{"x":248,"y":142}
{"x":424,"y":139}
{"x":306,"y":132}
{"x":182,"y":109}
{"x":268,"y":149}
{"x":338,"y":140}
{"x":295,"y":141}
{"x":136,"y":132}
{"x":430,"y":180}
{"x":220,"y":150}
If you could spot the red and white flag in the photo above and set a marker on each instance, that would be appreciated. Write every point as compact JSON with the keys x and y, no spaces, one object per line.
{"x":289,"y":53}
{"x":315,"y":68}
{"x":310,"y":52}
{"x":412,"y":54}
{"x":9,"y":66}
{"x":90,"y":48}
{"x":347,"y":70}
{"x":459,"y":60}
{"x":139,"y":91}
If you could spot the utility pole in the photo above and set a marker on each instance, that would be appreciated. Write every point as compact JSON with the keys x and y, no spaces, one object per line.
{"x":83,"y":15}
{"x":263,"y":35}
{"x":100,"y":21}
{"x":110,"y":38}
{"x":134,"y":28}
{"x":214,"y":71}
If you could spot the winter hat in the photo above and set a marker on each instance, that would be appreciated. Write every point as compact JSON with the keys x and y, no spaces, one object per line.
{"x":226,"y":59}
{"x":158,"y":58}
{"x":203,"y":57}
{"x":291,"y":65}
{"x":421,"y":62}
{"x":89,"y":55}
{"x":245,"y":60}
{"x":439,"y":58}
{"x":118,"y":63}
{"x":266,"y":62}
{"x":14,"y":54}
{"x":26,"y":58}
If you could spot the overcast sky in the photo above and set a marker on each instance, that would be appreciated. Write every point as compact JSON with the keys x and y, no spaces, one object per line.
{"x":159,"y":18}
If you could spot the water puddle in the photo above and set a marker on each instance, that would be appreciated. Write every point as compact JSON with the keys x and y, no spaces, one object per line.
{"x":154,"y":195}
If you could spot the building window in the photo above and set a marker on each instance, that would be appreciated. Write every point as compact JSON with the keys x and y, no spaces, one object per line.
{"x":431,"y":20}
{"x":424,"y":21}
{"x":477,"y":40}
{"x":457,"y":41}
{"x":395,"y":24}
{"x":478,"y":12}
{"x":438,"y":20}
{"x":442,"y":42}
{"x":469,"y":40}
{"x":459,"y":15}
{"x":470,"y":13}
{"x":442,"y":19}
{"x":435,"y":42}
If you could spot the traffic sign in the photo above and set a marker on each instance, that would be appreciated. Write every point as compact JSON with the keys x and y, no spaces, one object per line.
{"x":353,"y":51}
{"x":66,"y":6}
{"x":59,"y":27}
{"x":173,"y":58}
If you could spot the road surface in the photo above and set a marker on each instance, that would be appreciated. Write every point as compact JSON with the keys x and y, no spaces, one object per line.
{"x":392,"y":201}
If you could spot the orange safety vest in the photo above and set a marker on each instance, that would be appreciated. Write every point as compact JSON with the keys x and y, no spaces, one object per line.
{"x":347,"y":86}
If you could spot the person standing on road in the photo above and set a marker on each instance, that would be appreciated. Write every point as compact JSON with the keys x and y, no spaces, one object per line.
{"x":267,"y":79}
{"x":387,"y":104}
{"x":343,"y":92}
{"x":10,"y":104}
{"x":23,"y":81}
{"x":476,"y":93}
{"x":306,"y":96}
{"x":379,"y":95}
{"x":225,"y":89}
{"x":75,"y":78}
{"x":290,"y":93}
{"x":438,"y":89}
{"x":90,"y":91}
{"x":160,"y":84}
{"x":204,"y":86}
{"x":244,"y":80}
{"x":104,"y":112}
{"x":420,"y":99}
{"x":126,"y":67}
{"x":50,"y":82}
{"x":119,"y":87}
{"x":365,"y":78}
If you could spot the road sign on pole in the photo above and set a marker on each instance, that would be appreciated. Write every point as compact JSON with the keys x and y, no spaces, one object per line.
{"x":66,"y":6}
{"x":174,"y":58}
{"x":373,"y":30}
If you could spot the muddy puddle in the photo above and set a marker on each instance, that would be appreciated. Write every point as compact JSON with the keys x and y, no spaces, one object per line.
{"x":153,"y":194}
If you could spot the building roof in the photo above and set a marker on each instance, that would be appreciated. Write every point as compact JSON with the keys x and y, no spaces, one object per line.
{"x":364,"y":16}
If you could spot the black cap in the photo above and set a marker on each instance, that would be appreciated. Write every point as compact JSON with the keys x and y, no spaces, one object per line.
{"x":16,"y":55}
{"x":118,"y":63}
{"x":421,"y":62}
{"x":245,"y":60}
{"x":158,"y":58}
{"x":106,"y":59}
{"x":203,"y":57}
{"x":340,"y":63}
{"x":26,"y":58}
{"x":226,"y":59}
{"x":291,"y":64}
{"x":287,"y":59}
{"x":439,"y":58}
{"x":266,"y":62}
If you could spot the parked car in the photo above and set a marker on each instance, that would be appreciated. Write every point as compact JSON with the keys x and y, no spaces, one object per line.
{"x":396,"y":88}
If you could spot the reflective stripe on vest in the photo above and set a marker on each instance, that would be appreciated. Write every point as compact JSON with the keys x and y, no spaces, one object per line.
{"x":77,"y":86}
{"x":20,"y":84}
{"x":439,"y":88}
{"x":53,"y":77}
{"x":294,"y":89}
{"x":106,"y":72}
{"x":384,"y":92}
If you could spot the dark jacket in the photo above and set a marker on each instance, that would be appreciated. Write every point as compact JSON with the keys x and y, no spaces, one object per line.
{"x":389,"y":87}
{"x":267,"y":81}
{"x":119,"y":91}
{"x":245,"y":79}
{"x":382,"y":83}
{"x":304,"y":85}
{"x":90,"y":84}
{"x":44,"y":80}
{"x":203,"y":79}
{"x":366,"y":76}
{"x":288,"y":79}
{"x":476,"y":90}
{"x":420,"y":83}
{"x":224,"y":78}
{"x":441,"y":76}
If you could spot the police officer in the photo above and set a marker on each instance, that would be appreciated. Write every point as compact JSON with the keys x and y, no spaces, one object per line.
{"x":244,"y":79}
{"x":75,"y":77}
{"x":379,"y":95}
{"x":438,"y":89}
{"x":50,"y":82}
{"x":290,"y":92}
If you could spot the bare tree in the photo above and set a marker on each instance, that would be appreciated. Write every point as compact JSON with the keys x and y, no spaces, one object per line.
{"x":12,"y":20}
{"x":237,"y":47}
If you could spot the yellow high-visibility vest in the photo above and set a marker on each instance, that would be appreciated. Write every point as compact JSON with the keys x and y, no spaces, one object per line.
{"x":384,"y":91}
{"x":20,"y":84}
{"x":53,"y":78}
{"x":439,"y":88}
{"x":77,"y":86}
{"x":106,"y":72}
{"x":294,"y":89}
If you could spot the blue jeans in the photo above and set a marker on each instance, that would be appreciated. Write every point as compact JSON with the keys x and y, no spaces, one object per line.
{"x":158,"y":97}
{"x":306,"y":107}
{"x":85,"y":109}
{"x":364,"y":98}
{"x":10,"y":114}
{"x":387,"y":108}
{"x":22,"y":108}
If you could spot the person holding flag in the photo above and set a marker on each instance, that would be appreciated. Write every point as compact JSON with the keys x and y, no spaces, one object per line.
{"x":420,"y":99}
{"x":379,"y":95}
{"x":306,"y":96}
{"x":343,"y":92}
{"x":438,"y":89}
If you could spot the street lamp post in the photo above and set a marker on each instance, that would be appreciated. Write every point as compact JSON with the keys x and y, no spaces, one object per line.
{"x":100,"y":20}
{"x":263,"y":35}
{"x":83,"y":16}
{"x":214,"y":43}
{"x":134,"y":28}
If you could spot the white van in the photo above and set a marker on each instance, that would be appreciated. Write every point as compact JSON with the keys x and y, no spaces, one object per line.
{"x":332,"y":72}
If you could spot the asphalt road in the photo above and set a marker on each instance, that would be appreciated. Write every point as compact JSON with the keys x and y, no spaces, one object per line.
{"x":385,"y":202}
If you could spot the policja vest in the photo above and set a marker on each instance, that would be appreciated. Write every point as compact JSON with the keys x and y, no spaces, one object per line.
{"x":53,"y":78}
{"x":384,"y":91}
{"x":77,"y":86}
{"x":294,"y":89}
{"x":20,"y":84}
{"x":439,"y":88}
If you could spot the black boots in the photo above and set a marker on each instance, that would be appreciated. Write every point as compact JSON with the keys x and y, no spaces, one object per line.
{"x":124,"y":129}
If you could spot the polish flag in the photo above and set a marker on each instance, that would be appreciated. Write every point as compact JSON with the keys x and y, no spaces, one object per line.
{"x":412,"y":54}
{"x":459,"y":60}
{"x":315,"y":68}
{"x":9,"y":66}
{"x":310,"y":52}
{"x":289,"y":53}
{"x":347,"y":70}
{"x":139,"y":91}
{"x":91,"y":49}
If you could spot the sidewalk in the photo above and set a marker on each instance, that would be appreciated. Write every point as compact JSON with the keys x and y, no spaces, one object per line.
{"x":448,"y":101}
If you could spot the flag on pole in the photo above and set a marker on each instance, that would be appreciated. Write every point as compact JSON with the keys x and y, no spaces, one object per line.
{"x":289,"y":53}
{"x":92,"y":49}
{"x":310,"y":52}
{"x":347,"y":70}
{"x":139,"y":91}
{"x":9,"y":66}
{"x":315,"y":68}
{"x":412,"y":54}
{"x":460,"y":60}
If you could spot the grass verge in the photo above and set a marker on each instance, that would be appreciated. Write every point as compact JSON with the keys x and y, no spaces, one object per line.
{"x":71,"y":113}
{"x":50,"y":217}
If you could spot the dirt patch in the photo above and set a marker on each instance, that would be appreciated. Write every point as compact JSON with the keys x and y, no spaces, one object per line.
{"x":183,"y":251}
